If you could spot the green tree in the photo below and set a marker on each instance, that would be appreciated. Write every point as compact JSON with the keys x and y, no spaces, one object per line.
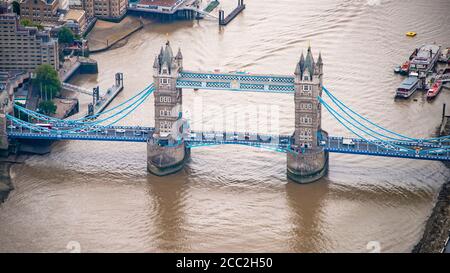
{"x":16,"y":7}
{"x":47,"y":107}
{"x":26,"y":22}
{"x":65,"y":36}
{"x":47,"y":80}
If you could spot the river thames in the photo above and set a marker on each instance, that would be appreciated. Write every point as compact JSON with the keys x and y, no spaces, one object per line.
{"x":234,"y":198}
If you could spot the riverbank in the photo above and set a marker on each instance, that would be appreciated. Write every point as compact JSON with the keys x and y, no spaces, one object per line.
{"x":6,"y":185}
{"x":438,"y":225}
{"x":437,"y":228}
{"x":106,"y":35}
{"x":5,"y":181}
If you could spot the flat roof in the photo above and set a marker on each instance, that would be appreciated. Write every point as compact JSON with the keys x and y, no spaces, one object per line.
{"x":74,"y":14}
{"x":408,"y":82}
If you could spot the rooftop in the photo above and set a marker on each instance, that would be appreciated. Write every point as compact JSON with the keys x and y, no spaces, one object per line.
{"x":408,"y":82}
{"x":74,"y":14}
{"x":424,"y":52}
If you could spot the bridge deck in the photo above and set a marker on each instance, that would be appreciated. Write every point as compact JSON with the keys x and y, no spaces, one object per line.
{"x":280,"y":143}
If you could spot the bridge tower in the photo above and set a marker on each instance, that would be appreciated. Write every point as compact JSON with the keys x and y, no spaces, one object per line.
{"x":166,"y":150}
{"x":307,"y":161}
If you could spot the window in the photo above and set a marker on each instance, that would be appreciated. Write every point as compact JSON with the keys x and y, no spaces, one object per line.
{"x":306,"y":87}
{"x":306,"y":78}
{"x":164,"y":81}
{"x":305,"y":106}
{"x":306,"y":119}
{"x":165,"y":113}
{"x":165,"y":126}
{"x":165,"y":99}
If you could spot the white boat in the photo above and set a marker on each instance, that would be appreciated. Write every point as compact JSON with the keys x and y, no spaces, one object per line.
{"x":407,"y":87}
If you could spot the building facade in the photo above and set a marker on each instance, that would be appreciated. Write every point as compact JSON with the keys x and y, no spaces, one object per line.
{"x":25,"y":48}
{"x":105,"y":9}
{"x":40,"y":11}
{"x":4,"y":6}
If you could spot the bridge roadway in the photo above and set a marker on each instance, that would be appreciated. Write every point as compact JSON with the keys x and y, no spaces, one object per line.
{"x":110,"y":133}
{"x":281,"y":143}
{"x":236,"y":82}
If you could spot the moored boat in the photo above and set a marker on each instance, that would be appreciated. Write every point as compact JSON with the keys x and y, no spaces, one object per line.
{"x":425,"y":59}
{"x":434,"y":90}
{"x":405,"y":68}
{"x":407,"y":87}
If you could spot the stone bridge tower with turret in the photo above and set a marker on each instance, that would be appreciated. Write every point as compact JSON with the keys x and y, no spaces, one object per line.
{"x":307,"y":160}
{"x":166,"y":151}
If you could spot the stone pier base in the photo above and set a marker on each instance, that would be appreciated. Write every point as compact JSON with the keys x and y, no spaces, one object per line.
{"x":307,"y":167}
{"x":165,"y":160}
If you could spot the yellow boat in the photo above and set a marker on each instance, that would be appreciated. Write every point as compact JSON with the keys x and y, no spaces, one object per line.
{"x":411,"y":34}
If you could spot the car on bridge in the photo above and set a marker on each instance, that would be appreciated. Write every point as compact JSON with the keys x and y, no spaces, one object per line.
{"x":121,"y":131}
{"x":348,"y":141}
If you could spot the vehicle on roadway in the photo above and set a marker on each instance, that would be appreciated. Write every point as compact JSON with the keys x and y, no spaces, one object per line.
{"x":45,"y":125}
{"x":137,"y":133}
{"x":438,"y":151}
{"x":12,"y":126}
{"x":348,"y":141}
{"x":120,"y":131}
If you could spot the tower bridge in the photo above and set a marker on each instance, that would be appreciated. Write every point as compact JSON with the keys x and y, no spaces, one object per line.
{"x":170,"y":141}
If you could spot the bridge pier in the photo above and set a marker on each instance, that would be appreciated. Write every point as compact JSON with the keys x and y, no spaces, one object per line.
{"x":166,"y":159}
{"x":308,"y":166}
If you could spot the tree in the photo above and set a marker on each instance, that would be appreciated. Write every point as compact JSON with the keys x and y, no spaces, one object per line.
{"x":47,"y":107}
{"x":47,"y":80}
{"x":65,"y":36}
{"x":28,"y":23}
{"x":16,"y":7}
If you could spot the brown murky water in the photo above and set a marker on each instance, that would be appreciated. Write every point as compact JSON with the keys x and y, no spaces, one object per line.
{"x":233,"y":198}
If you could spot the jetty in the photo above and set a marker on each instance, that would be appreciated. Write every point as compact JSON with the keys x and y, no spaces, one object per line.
{"x":99,"y":103}
{"x":211,"y":6}
{"x":223,"y":21}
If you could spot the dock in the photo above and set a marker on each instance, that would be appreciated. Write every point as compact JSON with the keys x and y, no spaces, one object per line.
{"x":211,"y":6}
{"x":99,"y":103}
{"x":223,"y":21}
